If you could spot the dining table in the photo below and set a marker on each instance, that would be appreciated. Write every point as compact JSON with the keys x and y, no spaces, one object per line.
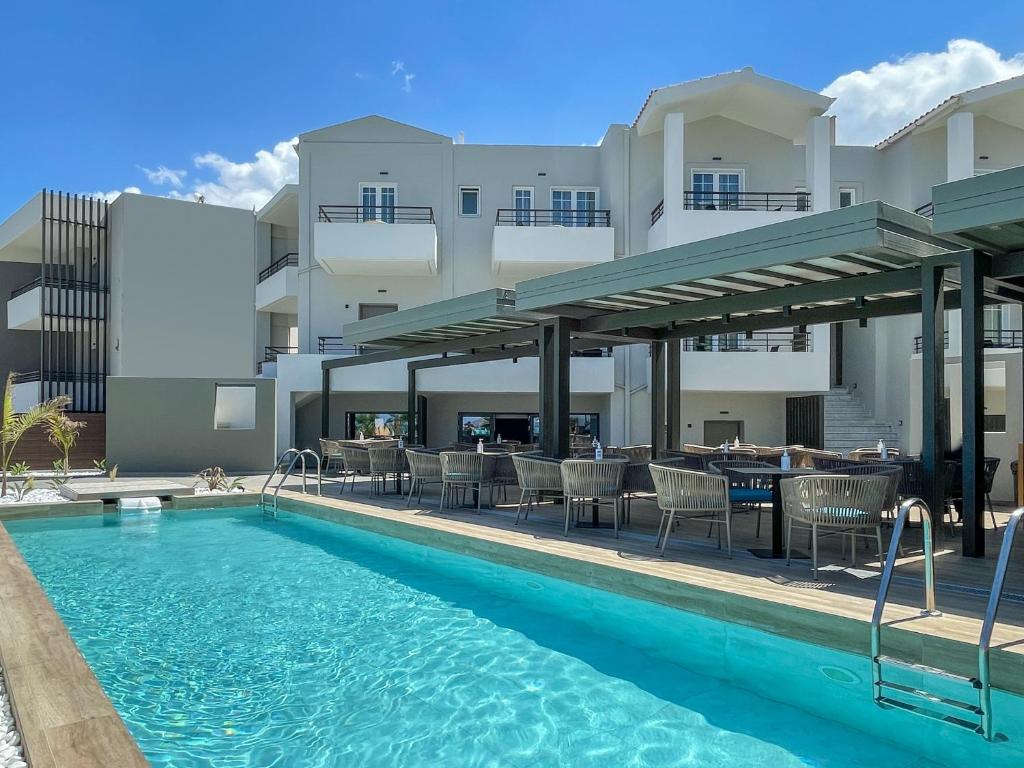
{"x":776,"y":475}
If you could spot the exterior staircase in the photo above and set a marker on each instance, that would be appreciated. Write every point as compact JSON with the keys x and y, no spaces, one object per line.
{"x":848,"y":424}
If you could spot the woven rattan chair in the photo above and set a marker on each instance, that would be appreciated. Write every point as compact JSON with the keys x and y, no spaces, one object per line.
{"x":687,"y":495}
{"x":831,"y":463}
{"x":684,"y":459}
{"x":424,"y":469}
{"x":330,"y":452}
{"x":843,"y":505}
{"x":386,"y":461}
{"x":462,"y":470}
{"x":636,"y":453}
{"x":746,"y":490}
{"x":636,"y":483}
{"x":991,"y":467}
{"x":499,"y":472}
{"x":863,"y":454}
{"x":593,"y":482}
{"x":357,"y":462}
{"x":537,"y":477}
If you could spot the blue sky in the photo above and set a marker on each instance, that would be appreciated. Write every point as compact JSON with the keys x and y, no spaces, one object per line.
{"x":94,"y":94}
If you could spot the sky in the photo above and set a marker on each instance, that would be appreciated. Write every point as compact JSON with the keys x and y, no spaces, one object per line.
{"x":181,"y":98}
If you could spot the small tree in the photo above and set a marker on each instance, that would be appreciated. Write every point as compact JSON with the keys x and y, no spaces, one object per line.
{"x":15,"y":425}
{"x":63,"y":433}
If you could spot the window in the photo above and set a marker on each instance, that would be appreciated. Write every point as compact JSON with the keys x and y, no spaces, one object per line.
{"x":573,"y":207}
{"x":847,"y":197}
{"x":376,"y":424}
{"x":469,"y":201}
{"x":487,"y":426}
{"x":377,"y":202}
{"x":375,"y":310}
{"x":715,"y":189}
{"x":522,"y":202}
{"x":234,"y":406}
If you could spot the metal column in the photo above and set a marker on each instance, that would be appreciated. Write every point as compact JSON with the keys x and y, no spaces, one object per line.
{"x":553,"y":338}
{"x":673,"y":433}
{"x":411,"y":406}
{"x":325,"y":404}
{"x":973,"y":269}
{"x":657,"y":397}
{"x":933,"y":385}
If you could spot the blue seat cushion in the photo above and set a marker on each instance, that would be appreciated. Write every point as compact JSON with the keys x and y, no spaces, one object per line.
{"x":750,"y":496}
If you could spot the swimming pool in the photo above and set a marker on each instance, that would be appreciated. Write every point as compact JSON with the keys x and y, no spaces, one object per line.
{"x":227,"y":639}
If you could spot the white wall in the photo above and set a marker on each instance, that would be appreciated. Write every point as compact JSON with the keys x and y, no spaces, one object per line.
{"x":182,"y":289}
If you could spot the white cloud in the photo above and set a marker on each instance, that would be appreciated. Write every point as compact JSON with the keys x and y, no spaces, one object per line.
{"x":874,"y":104}
{"x":164,"y":175}
{"x":113,"y":194}
{"x":397,"y":66}
{"x":359,"y":75}
{"x":407,"y":85}
{"x":246,"y":184}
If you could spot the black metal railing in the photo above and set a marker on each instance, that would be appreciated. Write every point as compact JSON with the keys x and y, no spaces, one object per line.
{"x":335,"y":345}
{"x":770,"y":341}
{"x":1003,"y":339}
{"x":657,"y":212}
{"x":595,"y":352}
{"x":925,"y":210}
{"x":58,"y":377}
{"x":71,"y":285}
{"x":746,"y":201}
{"x":288,"y":260}
{"x":388,"y":214}
{"x":270,"y":353}
{"x":552,"y":217}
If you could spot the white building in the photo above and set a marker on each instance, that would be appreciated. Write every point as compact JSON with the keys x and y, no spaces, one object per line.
{"x":387,"y":216}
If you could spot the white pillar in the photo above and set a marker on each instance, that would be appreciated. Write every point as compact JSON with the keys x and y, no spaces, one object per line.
{"x":818,"y":161}
{"x":673,"y":175}
{"x":960,"y":146}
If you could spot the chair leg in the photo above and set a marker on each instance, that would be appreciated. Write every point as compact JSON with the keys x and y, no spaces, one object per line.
{"x":519,"y":509}
{"x":661,"y":525}
{"x":789,"y":540}
{"x":878,"y":536}
{"x":991,"y":511}
{"x":565,"y":506}
{"x":412,"y":487}
{"x":728,"y":531}
{"x":615,"y":515}
{"x":480,"y":495}
{"x":668,"y":530}
{"x":419,"y":495}
{"x":757,"y":532}
{"x":853,"y":550}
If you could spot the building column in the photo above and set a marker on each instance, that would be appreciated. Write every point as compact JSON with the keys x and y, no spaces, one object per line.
{"x":973,"y":269}
{"x":933,"y":388}
{"x":553,"y":338}
{"x":821,"y":135}
{"x":325,"y":404}
{"x":673,"y":396}
{"x":411,"y":407}
{"x":960,"y":146}
{"x":674,"y":172}
{"x":657,"y":397}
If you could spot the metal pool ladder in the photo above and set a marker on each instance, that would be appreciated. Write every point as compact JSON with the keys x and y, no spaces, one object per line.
{"x":297,"y":457}
{"x":976,"y":718}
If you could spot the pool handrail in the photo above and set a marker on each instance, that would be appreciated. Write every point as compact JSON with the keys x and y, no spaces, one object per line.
{"x":297,"y":457}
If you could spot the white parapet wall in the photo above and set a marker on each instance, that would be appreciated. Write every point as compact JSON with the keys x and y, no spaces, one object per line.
{"x":375,"y":248}
{"x":532,"y":251}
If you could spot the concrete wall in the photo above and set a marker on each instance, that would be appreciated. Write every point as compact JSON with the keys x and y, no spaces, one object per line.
{"x":167,"y":425}
{"x":19,"y":350}
{"x":182,"y":288}
{"x":763,"y":415}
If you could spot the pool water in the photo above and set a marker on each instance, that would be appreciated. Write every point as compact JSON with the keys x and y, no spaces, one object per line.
{"x":226,"y":639}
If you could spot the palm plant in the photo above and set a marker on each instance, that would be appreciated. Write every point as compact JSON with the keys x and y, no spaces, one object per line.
{"x":15,"y":425}
{"x":63,"y":433}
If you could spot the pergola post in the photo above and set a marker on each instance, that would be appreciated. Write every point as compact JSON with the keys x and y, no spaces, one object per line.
{"x":553,"y":338}
{"x":973,"y":269}
{"x":325,"y":404}
{"x":411,"y":407}
{"x":933,"y":385}
{"x":657,"y":397}
{"x":673,"y":395}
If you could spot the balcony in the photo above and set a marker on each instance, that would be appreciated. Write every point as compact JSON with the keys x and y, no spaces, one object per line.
{"x":702,"y":215}
{"x":533,"y":242}
{"x":277,"y":286}
{"x":375,"y":241}
{"x":771,"y":341}
{"x":70,"y":305}
{"x":32,"y":387}
{"x":1001,"y":339}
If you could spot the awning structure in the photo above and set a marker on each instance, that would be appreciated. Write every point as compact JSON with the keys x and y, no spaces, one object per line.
{"x":860,"y":262}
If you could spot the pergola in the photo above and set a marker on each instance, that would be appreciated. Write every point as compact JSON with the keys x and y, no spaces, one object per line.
{"x":866,"y":261}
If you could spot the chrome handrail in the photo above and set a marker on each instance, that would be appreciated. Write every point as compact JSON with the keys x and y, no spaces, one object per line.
{"x":985,"y":640}
{"x":887,"y":571}
{"x":298,"y":457}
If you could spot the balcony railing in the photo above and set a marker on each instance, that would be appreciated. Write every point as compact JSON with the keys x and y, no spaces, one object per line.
{"x":925,"y":210}
{"x":387,"y":214}
{"x":1003,"y":339}
{"x":53,"y":282}
{"x":746,"y":201}
{"x":335,"y":345}
{"x":288,"y":260}
{"x":57,"y":376}
{"x":772,"y":341}
{"x":656,"y":214}
{"x":551,"y":217}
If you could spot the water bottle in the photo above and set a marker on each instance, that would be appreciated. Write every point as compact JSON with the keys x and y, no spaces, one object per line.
{"x":499,"y":438}
{"x":401,"y":442}
{"x":598,"y":452}
{"x":736,"y":442}
{"x":594,"y":443}
{"x":883,"y":452}
{"x":725,"y":448}
{"x":480,"y":446}
{"x":361,"y":435}
{"x":786,"y":462}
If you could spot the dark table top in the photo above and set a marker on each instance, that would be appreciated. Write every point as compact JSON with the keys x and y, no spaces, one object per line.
{"x":777,"y":471}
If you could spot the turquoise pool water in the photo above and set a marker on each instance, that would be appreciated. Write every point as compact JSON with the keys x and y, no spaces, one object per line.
{"x":225,"y":640}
